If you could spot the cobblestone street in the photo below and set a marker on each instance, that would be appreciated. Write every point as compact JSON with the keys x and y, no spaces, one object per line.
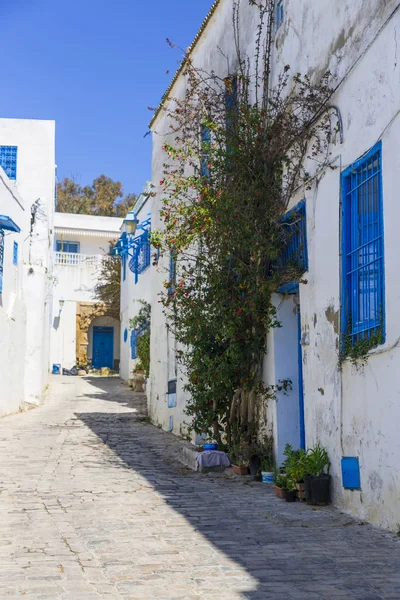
{"x":94,"y":505}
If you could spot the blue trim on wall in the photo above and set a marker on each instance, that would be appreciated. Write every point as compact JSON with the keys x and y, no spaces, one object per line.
{"x":301,"y":389}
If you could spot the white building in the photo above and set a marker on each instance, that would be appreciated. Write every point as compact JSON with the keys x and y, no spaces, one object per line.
{"x":27,"y":190}
{"x":353,"y":413}
{"x":135,"y":280}
{"x":81,"y":333}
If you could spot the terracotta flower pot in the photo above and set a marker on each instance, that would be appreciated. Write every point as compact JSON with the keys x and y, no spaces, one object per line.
{"x":280,"y":492}
{"x":242,"y":470}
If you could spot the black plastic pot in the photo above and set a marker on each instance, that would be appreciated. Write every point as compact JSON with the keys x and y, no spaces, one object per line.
{"x":255,"y":465}
{"x":317,"y":488}
{"x":290,"y":495}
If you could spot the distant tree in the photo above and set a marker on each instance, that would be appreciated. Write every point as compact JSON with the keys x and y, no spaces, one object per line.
{"x":104,"y":197}
{"x":108,"y":289}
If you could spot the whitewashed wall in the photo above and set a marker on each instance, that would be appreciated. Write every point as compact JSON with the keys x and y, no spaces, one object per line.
{"x":12,"y":303}
{"x":351,"y":413}
{"x":131,"y":294}
{"x":35,"y":183}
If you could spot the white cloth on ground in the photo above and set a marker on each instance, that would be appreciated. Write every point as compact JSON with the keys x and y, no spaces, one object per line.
{"x":211,"y":458}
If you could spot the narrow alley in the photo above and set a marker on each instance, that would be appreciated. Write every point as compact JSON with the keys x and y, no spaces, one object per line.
{"x":95,"y":505}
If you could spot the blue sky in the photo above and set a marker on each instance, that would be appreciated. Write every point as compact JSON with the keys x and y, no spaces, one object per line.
{"x":94,"y":66}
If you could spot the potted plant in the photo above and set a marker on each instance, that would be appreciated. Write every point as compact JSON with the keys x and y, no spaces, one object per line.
{"x":240,"y":463}
{"x":138,"y":378}
{"x":317,"y":478}
{"x":290,"y":491}
{"x":296,"y":467}
{"x":267,"y":473}
{"x":280,"y":484}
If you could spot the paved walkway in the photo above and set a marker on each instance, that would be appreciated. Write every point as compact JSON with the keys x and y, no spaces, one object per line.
{"x":93,"y":505}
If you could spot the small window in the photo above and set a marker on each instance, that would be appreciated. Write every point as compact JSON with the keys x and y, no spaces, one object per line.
{"x":279,"y":13}
{"x":205,"y":151}
{"x":172,"y":272}
{"x":8,"y":160}
{"x":15,"y":253}
{"x":295,"y":252}
{"x":124,"y":258}
{"x":363,"y":267}
{"x":72,"y":247}
{"x":133,"y":344}
{"x":172,"y":393}
{"x":1,"y":258}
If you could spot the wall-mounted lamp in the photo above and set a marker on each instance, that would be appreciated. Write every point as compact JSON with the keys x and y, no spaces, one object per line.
{"x":131,"y":222}
{"x":61,"y":303}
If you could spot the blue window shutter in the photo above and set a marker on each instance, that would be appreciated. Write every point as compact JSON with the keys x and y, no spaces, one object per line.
{"x":205,"y":151}
{"x":1,"y":259}
{"x":279,"y":13}
{"x":363,"y":299}
{"x":351,"y":473}
{"x":8,"y":160}
{"x":172,"y":271}
{"x":133,"y":344}
{"x":124,"y":259}
{"x":15,"y":253}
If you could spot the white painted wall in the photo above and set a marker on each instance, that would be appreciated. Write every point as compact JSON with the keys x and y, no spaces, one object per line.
{"x":352,"y":414}
{"x":131,"y":294}
{"x":35,"y":183}
{"x":75,"y":283}
{"x":12,"y":303}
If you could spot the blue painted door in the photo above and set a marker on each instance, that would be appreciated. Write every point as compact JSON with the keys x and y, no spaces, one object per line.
{"x":103,"y":347}
{"x":301,"y":391}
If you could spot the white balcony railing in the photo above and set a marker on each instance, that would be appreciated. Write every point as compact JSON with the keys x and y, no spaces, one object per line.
{"x":73,"y":259}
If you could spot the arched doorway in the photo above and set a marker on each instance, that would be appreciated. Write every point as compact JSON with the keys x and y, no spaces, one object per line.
{"x":103,"y":343}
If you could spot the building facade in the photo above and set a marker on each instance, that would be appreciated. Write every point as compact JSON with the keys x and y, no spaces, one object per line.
{"x":27,"y":196}
{"x":81,"y":332}
{"x":350,"y":289}
{"x":136,"y":272}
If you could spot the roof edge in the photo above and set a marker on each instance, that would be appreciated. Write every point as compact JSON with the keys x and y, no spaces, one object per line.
{"x":185,"y":59}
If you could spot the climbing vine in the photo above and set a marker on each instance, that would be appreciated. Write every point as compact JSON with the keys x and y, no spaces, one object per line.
{"x":141,"y":324}
{"x":236,"y":152}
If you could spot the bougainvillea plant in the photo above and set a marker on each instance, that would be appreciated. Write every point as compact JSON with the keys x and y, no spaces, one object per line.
{"x":235,"y":154}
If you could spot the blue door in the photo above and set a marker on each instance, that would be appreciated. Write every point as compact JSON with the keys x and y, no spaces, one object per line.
{"x":301,"y":390}
{"x":103,"y":347}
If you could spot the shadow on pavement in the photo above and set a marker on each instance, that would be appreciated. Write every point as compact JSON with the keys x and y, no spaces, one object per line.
{"x":290,"y":551}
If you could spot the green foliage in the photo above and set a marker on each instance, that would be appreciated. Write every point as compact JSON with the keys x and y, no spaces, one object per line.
{"x":104,"y":197}
{"x":108,"y":288}
{"x":357,"y":351}
{"x":317,"y":460}
{"x":281,"y":480}
{"x":296,"y":463}
{"x":141,"y":322}
{"x":222,"y":207}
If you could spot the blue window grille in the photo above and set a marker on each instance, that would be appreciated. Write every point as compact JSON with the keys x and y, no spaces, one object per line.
{"x":205,"y":151}
{"x":72,"y":247}
{"x":231,"y":101}
{"x":279,"y":13}
{"x":295,"y":252}
{"x":141,"y":255}
{"x":15,"y":253}
{"x":8,"y":160}
{"x":363,"y":303}
{"x":133,"y":344}
{"x":1,"y":259}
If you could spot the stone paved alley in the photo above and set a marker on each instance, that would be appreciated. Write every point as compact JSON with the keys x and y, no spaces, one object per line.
{"x":94,"y":505}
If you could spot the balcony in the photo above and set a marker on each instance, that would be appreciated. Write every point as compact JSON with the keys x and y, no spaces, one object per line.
{"x":73,"y":259}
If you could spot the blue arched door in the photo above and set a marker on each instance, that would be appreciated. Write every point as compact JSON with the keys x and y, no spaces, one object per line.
{"x":103,"y":347}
